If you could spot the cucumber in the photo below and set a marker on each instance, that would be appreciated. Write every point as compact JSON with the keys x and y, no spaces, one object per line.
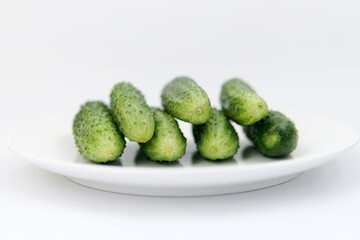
{"x":241,"y":104}
{"x":96,"y":134}
{"x":274,"y":136}
{"x":168,"y":142}
{"x":217,"y":138}
{"x":186,"y":100}
{"x":141,"y":160}
{"x":132,"y":114}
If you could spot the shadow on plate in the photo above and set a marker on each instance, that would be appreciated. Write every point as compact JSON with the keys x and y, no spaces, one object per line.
{"x":251,"y":154}
{"x":198,"y":160}
{"x":116,"y":162}
{"x":81,"y":159}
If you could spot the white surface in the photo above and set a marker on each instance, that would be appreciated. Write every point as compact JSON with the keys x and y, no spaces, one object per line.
{"x":54,"y":56}
{"x":49,"y":145}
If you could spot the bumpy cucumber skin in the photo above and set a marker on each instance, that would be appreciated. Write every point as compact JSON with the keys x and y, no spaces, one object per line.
{"x":168,"y":142}
{"x":186,"y":100}
{"x":216,"y":139}
{"x":96,"y":134}
{"x":274,"y":136}
{"x":241,"y":104}
{"x":133,"y":116}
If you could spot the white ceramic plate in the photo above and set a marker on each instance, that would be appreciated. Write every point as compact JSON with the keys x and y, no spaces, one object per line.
{"x":49,"y":145}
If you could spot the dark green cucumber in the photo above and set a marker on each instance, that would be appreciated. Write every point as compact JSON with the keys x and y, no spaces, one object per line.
{"x":186,"y":100}
{"x":241,"y":104}
{"x":274,"y":136}
{"x":217,"y":138}
{"x":132,"y":114}
{"x":168,"y":142}
{"x":96,"y":134}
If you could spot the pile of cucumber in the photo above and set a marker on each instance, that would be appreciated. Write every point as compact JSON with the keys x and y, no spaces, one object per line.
{"x":99,"y":131}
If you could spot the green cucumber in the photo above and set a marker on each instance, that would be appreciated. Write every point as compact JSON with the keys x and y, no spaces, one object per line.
{"x":132,"y":114}
{"x":241,"y":104}
{"x":168,"y":142}
{"x":96,"y":134}
{"x":217,"y":138}
{"x":274,"y":136}
{"x":186,"y":100}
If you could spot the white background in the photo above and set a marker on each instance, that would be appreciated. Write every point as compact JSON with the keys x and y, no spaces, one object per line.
{"x":299,"y":55}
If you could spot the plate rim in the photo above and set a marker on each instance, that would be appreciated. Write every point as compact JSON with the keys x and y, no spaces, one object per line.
{"x":185,"y":169}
